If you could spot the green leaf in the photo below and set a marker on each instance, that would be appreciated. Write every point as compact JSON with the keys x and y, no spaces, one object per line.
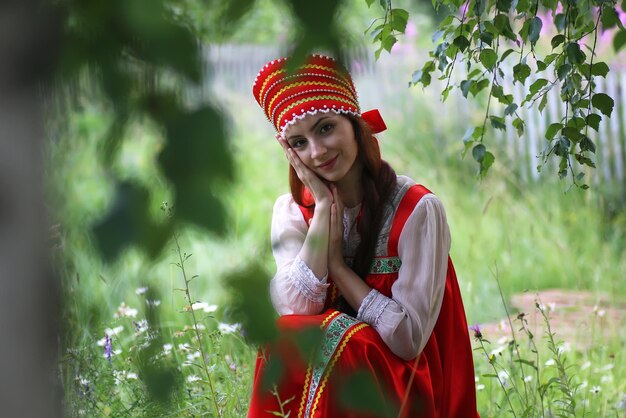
{"x":603,"y":102}
{"x":600,"y":69}
{"x":488,"y":58}
{"x":563,"y":71}
{"x":249,"y":305}
{"x":478,"y":152}
{"x":609,"y":18}
{"x":479,"y":86}
{"x":584,"y":160}
{"x":461,"y":42}
{"x":504,"y":5}
{"x":369,"y":2}
{"x":399,"y":19}
{"x":388,"y":42}
{"x":521,"y":72}
{"x":572,"y":133}
{"x":486,"y":37}
{"x":128,"y":223}
{"x":535,"y":30}
{"x":506,"y":54}
{"x":510,"y":109}
{"x":586,"y":144}
{"x":593,"y":120}
{"x":465,"y":87}
{"x":550,"y":58}
{"x":486,"y":163}
{"x":541,"y":65}
{"x":552,"y":130}
{"x":360,"y":392}
{"x":557,"y":40}
{"x":537,"y":85}
{"x":543,"y":103}
{"x":559,"y":22}
{"x":497,"y":122}
{"x":574,"y":53}
{"x":619,"y":40}
{"x":561,"y":148}
{"x":518,"y":124}
{"x":502,"y":23}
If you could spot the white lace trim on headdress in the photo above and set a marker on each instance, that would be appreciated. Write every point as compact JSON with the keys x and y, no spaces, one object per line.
{"x":301,"y":116}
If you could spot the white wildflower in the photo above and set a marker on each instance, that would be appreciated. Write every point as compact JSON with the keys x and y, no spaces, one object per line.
{"x":480,"y":387}
{"x":203,"y":306}
{"x":503,"y":376}
{"x":564,"y":347}
{"x":503,"y":340}
{"x":167,"y":349}
{"x":141,"y":290}
{"x":193,"y":356}
{"x":606,"y":368}
{"x":584,"y":384}
{"x":228,"y":328}
{"x":528,"y":378}
{"x":192,"y":378}
{"x":131,"y":375}
{"x":184,"y":347}
{"x":498,"y":350}
{"x":606,"y":378}
{"x":550,"y":362}
{"x":125,"y":311}
{"x":153,"y":303}
{"x":595,"y":390}
{"x":141,"y":326}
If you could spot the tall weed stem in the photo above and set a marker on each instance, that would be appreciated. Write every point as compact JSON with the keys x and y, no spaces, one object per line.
{"x":181,"y":265}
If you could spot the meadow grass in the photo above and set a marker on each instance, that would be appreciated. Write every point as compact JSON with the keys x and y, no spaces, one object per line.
{"x":537,"y":236}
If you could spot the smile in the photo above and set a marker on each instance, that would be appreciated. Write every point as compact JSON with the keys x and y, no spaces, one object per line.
{"x":328,"y":164}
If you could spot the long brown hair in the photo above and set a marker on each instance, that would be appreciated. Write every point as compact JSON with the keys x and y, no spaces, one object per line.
{"x":378,"y":181}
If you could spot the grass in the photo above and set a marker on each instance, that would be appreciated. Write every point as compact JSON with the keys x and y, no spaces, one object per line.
{"x":538,"y":236}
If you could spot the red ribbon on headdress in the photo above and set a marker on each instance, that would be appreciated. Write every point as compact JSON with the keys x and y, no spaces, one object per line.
{"x":374,"y":120}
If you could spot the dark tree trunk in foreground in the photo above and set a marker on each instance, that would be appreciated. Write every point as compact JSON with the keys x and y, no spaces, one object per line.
{"x":28,"y":294}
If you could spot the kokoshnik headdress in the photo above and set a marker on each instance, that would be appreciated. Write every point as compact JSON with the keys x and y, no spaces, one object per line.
{"x":321,"y":84}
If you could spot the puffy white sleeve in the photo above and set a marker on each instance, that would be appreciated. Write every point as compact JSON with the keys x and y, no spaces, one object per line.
{"x":406,"y":320}
{"x":294,"y":289}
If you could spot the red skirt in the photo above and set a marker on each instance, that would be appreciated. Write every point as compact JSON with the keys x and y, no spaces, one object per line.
{"x":351,"y":373}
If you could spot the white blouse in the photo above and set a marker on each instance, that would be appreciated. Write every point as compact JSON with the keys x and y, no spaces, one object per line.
{"x":404,"y":321}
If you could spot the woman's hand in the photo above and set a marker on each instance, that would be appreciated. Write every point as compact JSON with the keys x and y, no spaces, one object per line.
{"x":321,"y":192}
{"x":335,"y":247}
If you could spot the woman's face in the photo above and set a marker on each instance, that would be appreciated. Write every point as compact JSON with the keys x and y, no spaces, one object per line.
{"x":325,"y":143}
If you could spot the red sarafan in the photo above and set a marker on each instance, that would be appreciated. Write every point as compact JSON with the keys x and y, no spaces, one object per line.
{"x":438,"y":383}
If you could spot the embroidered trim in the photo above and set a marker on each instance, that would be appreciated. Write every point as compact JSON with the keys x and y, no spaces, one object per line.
{"x":306,"y":282}
{"x":385,"y":265}
{"x":337,"y":97}
{"x":334,"y":334}
{"x":372,"y":307}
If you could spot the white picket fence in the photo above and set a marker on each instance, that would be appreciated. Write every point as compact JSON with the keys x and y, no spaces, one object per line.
{"x":233,"y":67}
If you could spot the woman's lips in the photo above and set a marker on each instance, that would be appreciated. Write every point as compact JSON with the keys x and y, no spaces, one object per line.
{"x":328,"y":164}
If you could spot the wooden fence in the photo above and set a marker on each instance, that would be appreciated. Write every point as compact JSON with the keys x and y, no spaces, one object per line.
{"x":233,"y":67}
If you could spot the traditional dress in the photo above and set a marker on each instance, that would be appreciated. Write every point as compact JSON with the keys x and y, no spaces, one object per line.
{"x":410,"y":335}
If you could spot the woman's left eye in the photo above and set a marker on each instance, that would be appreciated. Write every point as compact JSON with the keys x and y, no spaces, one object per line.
{"x":326,"y":128}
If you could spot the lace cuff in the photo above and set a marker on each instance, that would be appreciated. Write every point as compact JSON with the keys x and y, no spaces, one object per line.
{"x":308,"y":285}
{"x":372,"y":307}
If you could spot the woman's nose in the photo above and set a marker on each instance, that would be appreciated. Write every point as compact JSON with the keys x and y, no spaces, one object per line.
{"x":317,"y":149}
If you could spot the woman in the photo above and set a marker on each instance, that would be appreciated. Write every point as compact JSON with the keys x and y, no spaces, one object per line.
{"x":362,"y":255}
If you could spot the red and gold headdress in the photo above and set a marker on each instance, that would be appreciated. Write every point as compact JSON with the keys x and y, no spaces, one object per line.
{"x":321,"y":84}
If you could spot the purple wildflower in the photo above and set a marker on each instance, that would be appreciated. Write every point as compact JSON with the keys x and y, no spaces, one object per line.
{"x":108,"y":347}
{"x":477,"y":334}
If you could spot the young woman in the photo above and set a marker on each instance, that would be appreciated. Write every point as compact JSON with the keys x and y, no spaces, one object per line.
{"x":363,"y":256}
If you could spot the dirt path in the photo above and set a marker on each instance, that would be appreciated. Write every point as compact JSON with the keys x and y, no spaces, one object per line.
{"x":580,"y":318}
